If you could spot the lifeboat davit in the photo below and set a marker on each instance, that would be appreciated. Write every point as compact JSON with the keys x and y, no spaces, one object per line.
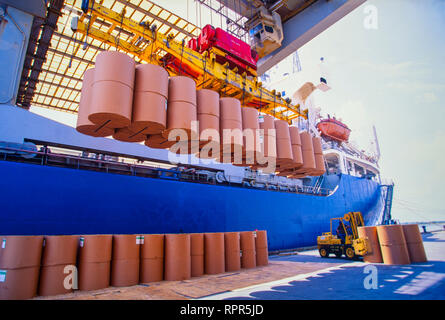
{"x":334,"y":130}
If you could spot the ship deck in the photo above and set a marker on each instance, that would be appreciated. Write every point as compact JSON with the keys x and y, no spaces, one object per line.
{"x":299,"y":275}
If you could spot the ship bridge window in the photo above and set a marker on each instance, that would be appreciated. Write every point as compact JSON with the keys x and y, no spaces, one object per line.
{"x":268,"y":29}
{"x":359,"y":170}
{"x":333,"y":163}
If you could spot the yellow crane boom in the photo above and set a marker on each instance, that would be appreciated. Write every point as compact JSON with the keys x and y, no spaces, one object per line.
{"x":210,"y":73}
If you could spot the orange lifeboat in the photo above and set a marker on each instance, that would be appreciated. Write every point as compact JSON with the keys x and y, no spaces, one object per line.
{"x":334,"y":130}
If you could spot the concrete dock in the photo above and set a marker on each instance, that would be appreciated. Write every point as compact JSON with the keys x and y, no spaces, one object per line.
{"x":304,"y":275}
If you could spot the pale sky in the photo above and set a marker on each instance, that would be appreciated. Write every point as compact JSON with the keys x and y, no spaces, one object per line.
{"x":392,"y":77}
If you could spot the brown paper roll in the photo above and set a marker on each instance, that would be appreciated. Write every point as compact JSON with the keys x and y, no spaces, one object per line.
{"x":304,"y":91}
{"x":52,"y":279}
{"x":111,"y":104}
{"x":19,"y":284}
{"x":125,"y":247}
{"x":307,"y":150}
{"x":125,"y":260}
{"x":152,"y":270}
{"x":374,"y":254}
{"x":232,"y":251}
{"x":296,"y":147}
{"x":95,"y":248}
{"x":251,"y":137}
{"x":285,"y":157}
{"x":115,"y":66}
{"x":157,"y":141}
{"x":392,"y":244}
{"x":181,"y":115}
{"x":247,"y":244}
{"x":152,"y":258}
{"x":20,"y":251}
{"x":214,"y":253}
{"x":127,"y":135}
{"x":197,"y":254}
{"x":208,"y":102}
{"x":182,"y":89}
{"x":231,"y":136}
{"x":94,"y":275}
{"x":149,"y":113}
{"x":151,"y":78}
{"x":153,"y":246}
{"x":318,"y":155}
{"x":124,"y":273}
{"x":112,"y":90}
{"x":261,"y":249}
{"x":60,"y":250}
{"x":177,"y":257}
{"x":84,"y":125}
{"x":414,"y":243}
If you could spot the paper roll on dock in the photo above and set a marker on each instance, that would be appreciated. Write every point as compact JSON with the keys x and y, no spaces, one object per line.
{"x":393,"y":244}
{"x":214,"y":253}
{"x":247,"y":245}
{"x":125,"y":260}
{"x":261,"y":248}
{"x":232,"y":251}
{"x":58,"y":252}
{"x":20,"y":258}
{"x":94,"y":261}
{"x":414,"y":243}
{"x":374,"y":254}
{"x":197,"y":254}
{"x":177,"y":257}
{"x":152,"y":258}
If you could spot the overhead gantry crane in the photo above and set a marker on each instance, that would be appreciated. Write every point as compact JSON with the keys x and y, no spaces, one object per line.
{"x":151,"y":46}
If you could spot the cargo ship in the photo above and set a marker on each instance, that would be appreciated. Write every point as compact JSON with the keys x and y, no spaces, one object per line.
{"x":56,"y":180}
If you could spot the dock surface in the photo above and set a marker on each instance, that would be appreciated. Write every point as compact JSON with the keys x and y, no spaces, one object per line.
{"x":304,"y":275}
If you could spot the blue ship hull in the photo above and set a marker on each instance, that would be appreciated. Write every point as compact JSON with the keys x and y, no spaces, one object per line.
{"x":51,"y":200}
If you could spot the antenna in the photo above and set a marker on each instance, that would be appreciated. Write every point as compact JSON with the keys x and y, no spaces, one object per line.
{"x":377,"y":145}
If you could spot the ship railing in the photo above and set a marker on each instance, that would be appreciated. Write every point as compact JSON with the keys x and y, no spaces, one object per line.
{"x":83,"y":162}
{"x":276,"y":186}
{"x":387,"y":181}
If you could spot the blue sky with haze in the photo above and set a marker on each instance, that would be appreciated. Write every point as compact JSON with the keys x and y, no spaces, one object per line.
{"x":393,"y":77}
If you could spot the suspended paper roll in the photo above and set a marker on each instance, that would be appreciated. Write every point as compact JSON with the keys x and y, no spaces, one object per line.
{"x":150,"y":99}
{"x":84,"y":125}
{"x":112,"y":90}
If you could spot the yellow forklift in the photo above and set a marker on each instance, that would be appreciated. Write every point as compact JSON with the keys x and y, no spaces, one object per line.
{"x":346,"y":240}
